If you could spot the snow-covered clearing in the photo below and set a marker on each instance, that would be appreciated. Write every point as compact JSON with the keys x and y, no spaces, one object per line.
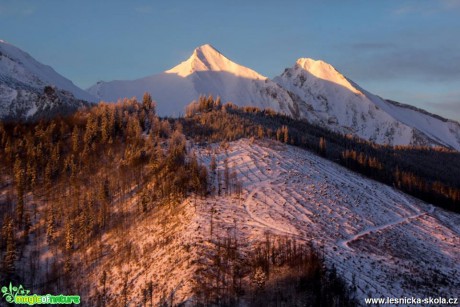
{"x":390,"y":243}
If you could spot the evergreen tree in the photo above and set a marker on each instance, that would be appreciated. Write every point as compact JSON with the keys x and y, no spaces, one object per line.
{"x":10,"y":256}
{"x":148,"y":104}
{"x":103,"y":282}
{"x":20,"y":186}
{"x":285,"y":132}
{"x":322,"y":146}
{"x":50,"y":227}
{"x":69,"y":235}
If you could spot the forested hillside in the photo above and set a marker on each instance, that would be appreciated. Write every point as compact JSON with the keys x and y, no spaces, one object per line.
{"x":429,"y":173}
{"x":71,"y":184}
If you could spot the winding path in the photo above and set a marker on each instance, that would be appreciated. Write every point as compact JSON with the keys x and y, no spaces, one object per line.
{"x":344,"y":243}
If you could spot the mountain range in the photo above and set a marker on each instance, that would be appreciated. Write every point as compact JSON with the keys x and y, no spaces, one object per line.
{"x":311,"y":89}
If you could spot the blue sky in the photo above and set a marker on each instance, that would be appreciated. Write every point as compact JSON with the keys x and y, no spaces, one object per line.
{"x":408,"y":51}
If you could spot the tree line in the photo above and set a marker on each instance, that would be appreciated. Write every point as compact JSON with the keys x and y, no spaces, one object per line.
{"x":428,"y":173}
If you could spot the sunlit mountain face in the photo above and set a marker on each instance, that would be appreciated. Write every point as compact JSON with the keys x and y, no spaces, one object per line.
{"x":311,"y":90}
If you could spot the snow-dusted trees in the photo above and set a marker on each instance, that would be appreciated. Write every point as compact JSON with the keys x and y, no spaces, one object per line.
{"x":75,"y":138}
{"x":422,"y":170}
{"x":69,"y":238}
{"x":50,"y":226}
{"x":9,"y":244}
{"x":282,"y":134}
{"x":203,"y":105}
{"x":19,"y":177}
{"x":148,"y":104}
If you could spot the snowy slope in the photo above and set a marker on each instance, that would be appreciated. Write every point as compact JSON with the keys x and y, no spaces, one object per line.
{"x":19,"y":65}
{"x":22,"y":80}
{"x":328,"y":98}
{"x":206,"y":72}
{"x":444,"y":131}
{"x":392,"y":244}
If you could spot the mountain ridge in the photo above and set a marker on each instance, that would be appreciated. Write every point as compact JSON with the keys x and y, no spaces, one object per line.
{"x":23,"y":81}
{"x":34,"y":73}
{"x":311,"y":89}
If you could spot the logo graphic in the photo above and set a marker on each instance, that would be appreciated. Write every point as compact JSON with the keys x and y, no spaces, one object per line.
{"x":10,"y":293}
{"x":19,"y":295}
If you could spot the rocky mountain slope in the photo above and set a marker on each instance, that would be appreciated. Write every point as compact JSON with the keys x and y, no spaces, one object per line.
{"x":22,"y":87}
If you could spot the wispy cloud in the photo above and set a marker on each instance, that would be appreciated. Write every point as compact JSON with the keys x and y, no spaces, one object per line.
{"x":407,"y":9}
{"x":450,"y":106}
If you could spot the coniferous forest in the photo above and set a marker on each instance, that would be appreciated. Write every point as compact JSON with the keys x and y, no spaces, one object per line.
{"x":66,"y":182}
{"x":430,"y":174}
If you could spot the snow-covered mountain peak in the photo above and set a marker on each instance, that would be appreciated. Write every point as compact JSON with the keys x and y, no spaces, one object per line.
{"x":207,"y":58}
{"x":325,"y":71}
{"x":316,"y":66}
{"x":205,"y":72}
{"x":206,"y":51}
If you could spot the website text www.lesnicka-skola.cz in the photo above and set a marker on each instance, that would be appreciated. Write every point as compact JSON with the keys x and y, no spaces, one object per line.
{"x":411,"y":301}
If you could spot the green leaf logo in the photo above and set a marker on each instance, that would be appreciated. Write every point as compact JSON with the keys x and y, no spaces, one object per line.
{"x":9,"y":293}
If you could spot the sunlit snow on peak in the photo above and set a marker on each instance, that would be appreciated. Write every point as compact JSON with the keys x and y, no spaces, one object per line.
{"x":325,"y":71}
{"x":207,"y":58}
